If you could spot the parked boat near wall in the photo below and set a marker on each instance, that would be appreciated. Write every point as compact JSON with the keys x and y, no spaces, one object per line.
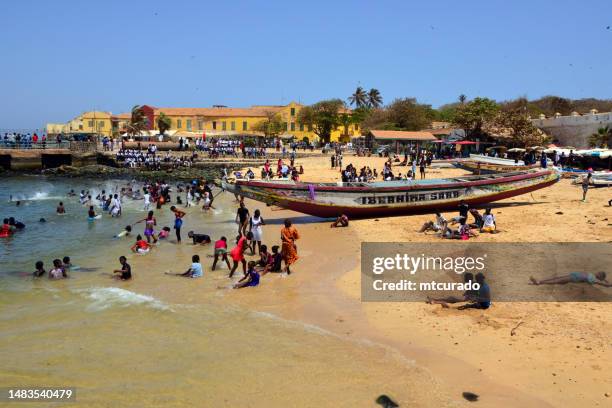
{"x":478,"y":164}
{"x":386,"y":198}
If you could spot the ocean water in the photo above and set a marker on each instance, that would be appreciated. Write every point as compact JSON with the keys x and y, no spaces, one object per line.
{"x":162,"y":341}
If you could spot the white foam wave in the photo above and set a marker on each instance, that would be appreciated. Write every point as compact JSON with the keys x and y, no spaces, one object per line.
{"x":106,"y":297}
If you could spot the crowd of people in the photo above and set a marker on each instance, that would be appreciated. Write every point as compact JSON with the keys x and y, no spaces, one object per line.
{"x":17,"y":140}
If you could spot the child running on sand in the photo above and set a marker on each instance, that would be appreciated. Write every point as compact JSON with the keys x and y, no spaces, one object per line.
{"x":125,"y":271}
{"x":250,"y":278}
{"x":221,"y":251}
{"x":141,"y":246}
{"x":598,"y":278}
{"x":194,"y":271}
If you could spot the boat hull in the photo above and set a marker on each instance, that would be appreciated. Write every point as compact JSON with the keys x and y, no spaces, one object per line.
{"x":477,"y":167}
{"x":364,"y":201}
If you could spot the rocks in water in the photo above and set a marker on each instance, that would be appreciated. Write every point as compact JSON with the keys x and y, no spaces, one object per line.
{"x":470,"y":396}
{"x":386,"y":402}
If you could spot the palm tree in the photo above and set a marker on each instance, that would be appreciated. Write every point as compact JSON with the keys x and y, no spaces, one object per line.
{"x":375,"y":99}
{"x":163,"y":123}
{"x":600,"y":139}
{"x":359,"y":98}
{"x":462,"y":99}
{"x":138,"y":121}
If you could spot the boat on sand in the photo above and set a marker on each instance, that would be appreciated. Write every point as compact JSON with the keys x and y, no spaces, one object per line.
{"x":478,"y":164}
{"x":386,"y":198}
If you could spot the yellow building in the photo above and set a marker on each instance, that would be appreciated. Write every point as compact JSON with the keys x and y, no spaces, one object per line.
{"x":94,"y":122}
{"x":222,"y":121}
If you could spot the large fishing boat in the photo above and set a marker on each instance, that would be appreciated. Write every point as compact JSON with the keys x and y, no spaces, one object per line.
{"x":478,"y":164}
{"x":384,"y":198}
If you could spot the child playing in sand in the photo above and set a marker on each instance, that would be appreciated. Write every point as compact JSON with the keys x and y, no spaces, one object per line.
{"x":489,"y":224}
{"x":467,"y":296}
{"x":125,"y":271}
{"x":483,"y":296}
{"x":141,"y":246}
{"x":598,"y":278}
{"x":437,"y":225}
{"x":250,"y":278}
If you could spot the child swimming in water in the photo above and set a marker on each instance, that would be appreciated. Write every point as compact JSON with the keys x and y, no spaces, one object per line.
{"x":141,"y":246}
{"x":60,"y":208}
{"x":91,"y":214}
{"x":40,"y":269}
{"x":57,"y":272}
{"x":194,"y":271}
{"x":125,"y":233}
{"x":250,"y":278}
{"x":164,"y":233}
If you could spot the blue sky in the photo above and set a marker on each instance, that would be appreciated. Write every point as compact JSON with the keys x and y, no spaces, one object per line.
{"x":59,"y":58}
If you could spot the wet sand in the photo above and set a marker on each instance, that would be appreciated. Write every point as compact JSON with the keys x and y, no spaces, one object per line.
{"x":558,"y":356}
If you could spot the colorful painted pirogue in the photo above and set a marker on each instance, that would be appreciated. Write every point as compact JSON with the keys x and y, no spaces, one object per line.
{"x":364,"y":200}
{"x":489,"y":165}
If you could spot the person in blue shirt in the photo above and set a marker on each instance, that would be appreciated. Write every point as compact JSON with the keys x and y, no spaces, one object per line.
{"x":250,"y":278}
{"x":194,"y":271}
{"x":483,"y":298}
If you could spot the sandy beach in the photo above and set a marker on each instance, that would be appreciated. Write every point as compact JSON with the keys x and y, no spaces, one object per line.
{"x":557,"y":356}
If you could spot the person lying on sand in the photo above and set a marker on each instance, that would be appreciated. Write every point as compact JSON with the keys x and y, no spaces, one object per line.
{"x":437,"y":225}
{"x":598,"y":278}
{"x":468,"y":295}
{"x":483,"y":296}
{"x":341,"y":221}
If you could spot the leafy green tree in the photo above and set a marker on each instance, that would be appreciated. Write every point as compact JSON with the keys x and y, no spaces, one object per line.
{"x":462,"y":98}
{"x":401,"y":114}
{"x":472,"y":116}
{"x":322,"y":117}
{"x":359,"y":98}
{"x":517,"y":125}
{"x":601,"y":138}
{"x":272,"y":126}
{"x":164,"y":123}
{"x":375,"y":99}
{"x":138,"y":121}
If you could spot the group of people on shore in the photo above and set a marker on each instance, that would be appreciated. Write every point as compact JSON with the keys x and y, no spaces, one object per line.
{"x":484,"y":223}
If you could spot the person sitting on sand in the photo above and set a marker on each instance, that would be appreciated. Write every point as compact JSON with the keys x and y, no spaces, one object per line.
{"x":438,"y":225}
{"x":598,"y":278}
{"x":250,"y":278}
{"x":57,"y":272}
{"x":40,"y":269}
{"x":221,"y":251}
{"x":341,"y":221}
{"x":478,"y":219}
{"x":468,"y":295}
{"x":194,"y":271}
{"x":125,"y":271}
{"x":483,"y":296}
{"x":265,"y":258}
{"x":60,"y":208}
{"x":489,"y":224}
{"x":141,"y":246}
{"x":199,"y":239}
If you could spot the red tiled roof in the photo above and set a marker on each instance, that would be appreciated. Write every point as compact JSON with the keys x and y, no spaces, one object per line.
{"x":402,"y":135}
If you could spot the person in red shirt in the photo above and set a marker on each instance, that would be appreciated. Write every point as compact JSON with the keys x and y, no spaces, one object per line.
{"x":141,"y":246}
{"x":35,"y":138}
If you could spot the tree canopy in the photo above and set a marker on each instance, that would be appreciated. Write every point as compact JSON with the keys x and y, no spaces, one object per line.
{"x":138,"y":121}
{"x":163,"y":123}
{"x":322,"y":117}
{"x":273,"y":125}
{"x":473,"y":115}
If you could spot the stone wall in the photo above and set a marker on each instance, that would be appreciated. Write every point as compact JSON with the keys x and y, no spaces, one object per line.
{"x":574,"y":130}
